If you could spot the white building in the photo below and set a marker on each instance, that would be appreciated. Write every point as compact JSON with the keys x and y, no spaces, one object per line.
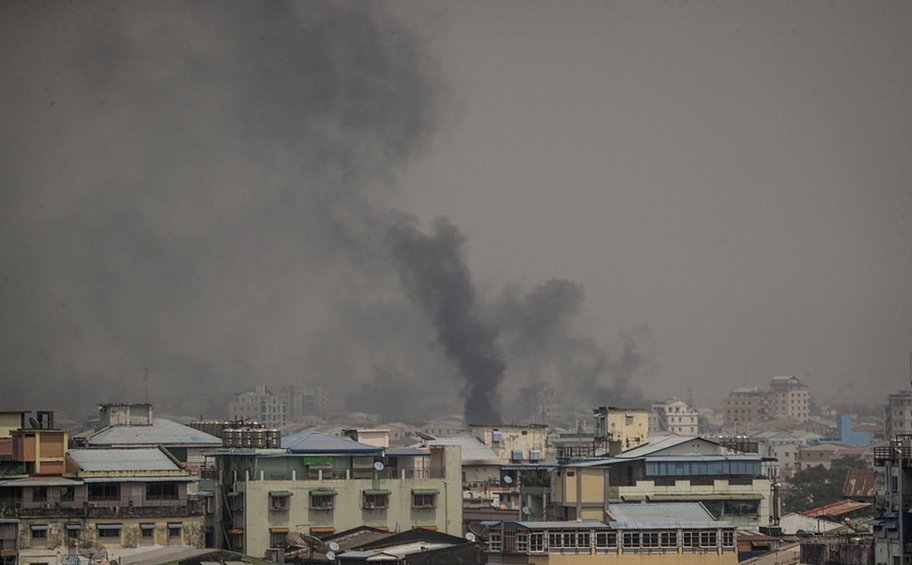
{"x":674,"y":416}
{"x":898,"y":414}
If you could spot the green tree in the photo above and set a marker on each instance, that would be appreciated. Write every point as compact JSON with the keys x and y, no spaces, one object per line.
{"x":817,"y":486}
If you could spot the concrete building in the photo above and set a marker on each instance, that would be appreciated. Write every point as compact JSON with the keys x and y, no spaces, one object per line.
{"x":679,"y":533}
{"x":133,"y":425}
{"x":893,"y":527}
{"x":789,"y":398}
{"x":513,"y":442}
{"x":898,"y":415}
{"x":319,"y":484}
{"x":744,"y":408}
{"x":680,"y":469}
{"x":674,"y":416}
{"x":823,"y":455}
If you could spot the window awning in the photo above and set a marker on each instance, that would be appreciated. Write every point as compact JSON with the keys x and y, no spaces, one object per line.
{"x":177,"y":525}
{"x":236,"y":531}
{"x":278,"y":530}
{"x":147,"y":526}
{"x":322,"y":530}
{"x":425,"y":491}
{"x":376,"y":491}
{"x":38,"y":528}
{"x":280,"y":493}
{"x":205,"y":493}
{"x":73,"y":527}
{"x":109,"y":526}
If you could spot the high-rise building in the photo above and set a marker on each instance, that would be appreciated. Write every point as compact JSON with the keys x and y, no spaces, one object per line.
{"x":674,"y":416}
{"x":898,"y":414}
{"x":789,"y":398}
{"x":744,"y":408}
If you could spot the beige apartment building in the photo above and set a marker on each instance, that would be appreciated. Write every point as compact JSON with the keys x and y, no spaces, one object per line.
{"x":511,"y":442}
{"x":321,"y":484}
{"x":744,"y":408}
{"x":789,"y":398}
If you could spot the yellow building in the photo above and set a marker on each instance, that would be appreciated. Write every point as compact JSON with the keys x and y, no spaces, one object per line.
{"x":673,"y":533}
{"x":673,"y":468}
{"x":512,"y":442}
{"x":321,"y":484}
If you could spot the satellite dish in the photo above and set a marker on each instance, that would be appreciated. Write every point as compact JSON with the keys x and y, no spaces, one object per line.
{"x":508,"y":479}
{"x":495,"y":504}
{"x":300,"y":539}
{"x":333,"y":546}
{"x":330,"y":555}
{"x":378,"y":465}
{"x":36,"y":425}
{"x":470,"y":536}
{"x":526,"y":510}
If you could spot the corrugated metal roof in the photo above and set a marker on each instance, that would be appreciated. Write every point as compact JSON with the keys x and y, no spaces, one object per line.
{"x":662,"y":443}
{"x":657,"y":515}
{"x":135,"y":459}
{"x":315,"y":442}
{"x":161,"y":432}
{"x":40,"y":482}
{"x":837,"y":509}
{"x":564,"y":525}
{"x":860,"y":484}
{"x":473,"y":451}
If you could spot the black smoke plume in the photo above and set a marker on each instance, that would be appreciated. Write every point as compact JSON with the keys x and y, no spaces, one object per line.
{"x":434,"y":274}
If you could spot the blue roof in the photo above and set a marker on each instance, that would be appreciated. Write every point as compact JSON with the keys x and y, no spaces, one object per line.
{"x":315,"y":442}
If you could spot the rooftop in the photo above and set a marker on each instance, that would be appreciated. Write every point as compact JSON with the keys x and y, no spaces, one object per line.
{"x":315,"y":442}
{"x":161,"y":432}
{"x":662,"y":515}
{"x":837,"y":509}
{"x":472,"y":449}
{"x":111,"y":460}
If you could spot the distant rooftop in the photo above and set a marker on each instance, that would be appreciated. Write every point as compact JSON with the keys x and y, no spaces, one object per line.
{"x":315,"y":442}
{"x":472,"y":449}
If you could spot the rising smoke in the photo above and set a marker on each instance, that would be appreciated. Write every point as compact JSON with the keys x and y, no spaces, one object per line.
{"x":203,"y":190}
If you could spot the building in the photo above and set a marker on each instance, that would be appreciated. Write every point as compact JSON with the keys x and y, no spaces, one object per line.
{"x":893,"y":527}
{"x":674,"y":416}
{"x":319,"y":484}
{"x":744,"y":408}
{"x":898,"y":415}
{"x":679,"y":533}
{"x":789,"y":398}
{"x":511,"y":442}
{"x":823,"y":454}
{"x":104,"y":499}
{"x":133,"y":425}
{"x":672,"y":469}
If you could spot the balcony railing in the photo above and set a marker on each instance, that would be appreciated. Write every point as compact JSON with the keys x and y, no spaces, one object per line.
{"x":356,"y":474}
{"x":892,"y":454}
{"x":191,"y":508}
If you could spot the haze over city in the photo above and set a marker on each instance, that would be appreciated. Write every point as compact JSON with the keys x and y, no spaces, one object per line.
{"x":628,"y":199}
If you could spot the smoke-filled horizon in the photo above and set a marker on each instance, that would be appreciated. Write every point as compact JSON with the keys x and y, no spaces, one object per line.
{"x":206,"y":193}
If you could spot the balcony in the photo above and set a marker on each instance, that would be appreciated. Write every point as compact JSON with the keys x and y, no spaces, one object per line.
{"x":88,"y":511}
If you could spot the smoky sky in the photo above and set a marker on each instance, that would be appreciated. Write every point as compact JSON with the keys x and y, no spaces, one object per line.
{"x":186,"y":187}
{"x":206,"y":193}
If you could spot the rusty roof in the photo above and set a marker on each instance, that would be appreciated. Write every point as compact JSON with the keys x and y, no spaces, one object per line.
{"x":837,"y":509}
{"x":859,"y":484}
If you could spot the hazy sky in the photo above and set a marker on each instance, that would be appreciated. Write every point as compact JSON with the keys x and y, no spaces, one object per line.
{"x":718,"y":192}
{"x":735,"y":175}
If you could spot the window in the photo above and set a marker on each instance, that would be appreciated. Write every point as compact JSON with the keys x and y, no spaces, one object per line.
{"x":668,"y":539}
{"x":108,"y":531}
{"x":569,"y":539}
{"x":708,"y":538}
{"x":39,"y":494}
{"x":147,"y":531}
{"x":322,"y":500}
{"x":67,"y":494}
{"x":375,"y":499}
{"x":522,"y":542}
{"x":728,"y":538}
{"x":537,"y":542}
{"x":161,"y":491}
{"x":583,"y":540}
{"x":72,"y":531}
{"x":495,"y":541}
{"x":104,"y":491}
{"x":605,"y":539}
{"x":424,"y":500}
{"x":631,"y":539}
{"x":691,"y":539}
{"x":39,"y":534}
{"x":278,"y":537}
{"x":555,"y":540}
{"x":649,"y":539}
{"x":174,"y":534}
{"x":278,"y":500}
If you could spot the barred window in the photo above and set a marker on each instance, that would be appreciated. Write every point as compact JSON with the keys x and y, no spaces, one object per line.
{"x":424,"y":500}
{"x":555,"y":540}
{"x":495,"y":541}
{"x":322,"y":501}
{"x":522,"y":542}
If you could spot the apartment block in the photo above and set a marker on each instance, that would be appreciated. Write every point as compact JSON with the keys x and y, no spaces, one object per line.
{"x":744,"y":408}
{"x":319,"y":484}
{"x":898,"y":415}
{"x":674,"y":416}
{"x":789,"y":398}
{"x":511,"y":442}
